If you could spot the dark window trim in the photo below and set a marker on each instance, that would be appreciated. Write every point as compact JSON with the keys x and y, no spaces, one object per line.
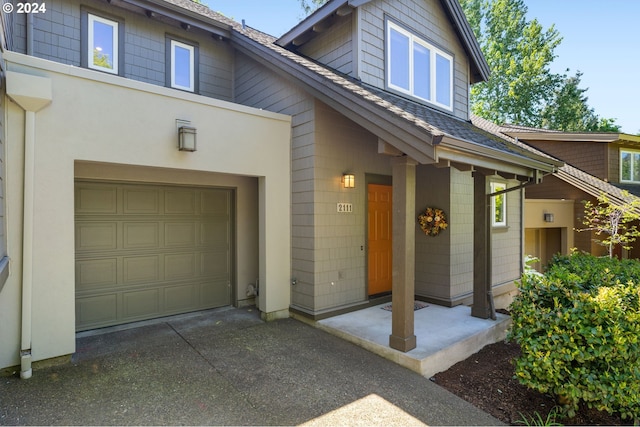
{"x":168,"y":65}
{"x":84,"y":37}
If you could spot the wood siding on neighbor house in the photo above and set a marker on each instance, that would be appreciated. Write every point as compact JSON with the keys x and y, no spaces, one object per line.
{"x":57,"y":37}
{"x":613,"y":158}
{"x":590,"y":157}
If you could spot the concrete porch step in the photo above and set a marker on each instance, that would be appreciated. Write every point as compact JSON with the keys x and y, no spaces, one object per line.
{"x":445,"y":336}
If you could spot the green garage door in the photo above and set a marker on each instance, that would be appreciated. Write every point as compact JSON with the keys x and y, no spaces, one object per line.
{"x":146,"y":251}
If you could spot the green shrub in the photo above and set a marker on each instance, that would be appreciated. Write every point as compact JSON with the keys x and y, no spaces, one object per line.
{"x":579,"y":326}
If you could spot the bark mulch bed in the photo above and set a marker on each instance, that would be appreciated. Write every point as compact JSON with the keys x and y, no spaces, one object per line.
{"x":486,"y":379}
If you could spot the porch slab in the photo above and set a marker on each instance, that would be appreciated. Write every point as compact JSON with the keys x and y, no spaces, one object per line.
{"x":445,"y":336}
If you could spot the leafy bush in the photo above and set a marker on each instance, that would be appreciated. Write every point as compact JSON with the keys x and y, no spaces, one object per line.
{"x":579,"y":328}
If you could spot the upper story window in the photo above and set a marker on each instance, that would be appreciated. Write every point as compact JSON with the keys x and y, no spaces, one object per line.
{"x":102,"y":44}
{"x":499,"y":205}
{"x":629,"y":166}
{"x":418,"y":68}
{"x":182,"y":65}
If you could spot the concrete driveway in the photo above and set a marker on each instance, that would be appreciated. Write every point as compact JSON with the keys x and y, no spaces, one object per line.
{"x":228,"y":367}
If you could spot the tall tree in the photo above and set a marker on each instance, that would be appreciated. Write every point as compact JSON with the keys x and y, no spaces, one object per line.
{"x":569,"y":111}
{"x":519,"y":54}
{"x":522,"y":89}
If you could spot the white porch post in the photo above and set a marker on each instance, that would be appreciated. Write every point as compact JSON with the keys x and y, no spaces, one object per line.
{"x":403,"y":276}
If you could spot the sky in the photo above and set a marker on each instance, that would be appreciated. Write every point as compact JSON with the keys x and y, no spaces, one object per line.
{"x":600,"y":38}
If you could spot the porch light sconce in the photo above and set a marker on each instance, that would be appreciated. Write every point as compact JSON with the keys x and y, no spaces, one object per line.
{"x":348,"y":180}
{"x":548,"y":217}
{"x":186,"y":138}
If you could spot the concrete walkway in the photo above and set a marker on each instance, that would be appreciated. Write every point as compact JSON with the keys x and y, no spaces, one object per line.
{"x":228,"y":367}
{"x":444,"y":336}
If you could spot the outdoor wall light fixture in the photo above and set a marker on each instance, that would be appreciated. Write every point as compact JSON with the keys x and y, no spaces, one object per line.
{"x":186,"y":138}
{"x":548,"y":217}
{"x":348,"y":180}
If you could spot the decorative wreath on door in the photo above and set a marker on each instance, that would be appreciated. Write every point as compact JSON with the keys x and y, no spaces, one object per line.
{"x":432,"y":221}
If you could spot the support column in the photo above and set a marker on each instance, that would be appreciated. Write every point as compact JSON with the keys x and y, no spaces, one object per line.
{"x":403,"y":276}
{"x":481,"y":248}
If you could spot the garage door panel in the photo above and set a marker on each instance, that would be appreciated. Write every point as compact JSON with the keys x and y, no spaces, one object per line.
{"x":214,"y":233}
{"x":139,"y":235}
{"x":96,"y":199}
{"x":215,"y":202}
{"x":97,"y":310}
{"x":180,"y":266}
{"x":141,"y":304}
{"x":180,"y":234}
{"x":141,"y":269}
{"x":96,"y":236}
{"x":145,"y":251}
{"x":180,"y":298}
{"x":214,"y":294}
{"x":214,"y":263}
{"x":179,"y":202}
{"x":93,"y":273}
{"x":139,"y":201}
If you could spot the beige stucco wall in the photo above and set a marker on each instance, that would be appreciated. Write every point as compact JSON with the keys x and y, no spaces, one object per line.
{"x":562,"y":210}
{"x":96,"y":117}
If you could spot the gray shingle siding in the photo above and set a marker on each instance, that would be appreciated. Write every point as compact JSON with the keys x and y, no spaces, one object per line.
{"x":426,"y":19}
{"x":57,"y":37}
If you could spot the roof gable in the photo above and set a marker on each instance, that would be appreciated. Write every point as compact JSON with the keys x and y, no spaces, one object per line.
{"x":322,"y":18}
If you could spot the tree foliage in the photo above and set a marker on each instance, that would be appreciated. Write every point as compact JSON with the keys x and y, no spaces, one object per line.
{"x":578,"y":327}
{"x":522,"y":89}
{"x":519,"y":53}
{"x":569,"y":111}
{"x":616,"y":222}
{"x":308,"y":6}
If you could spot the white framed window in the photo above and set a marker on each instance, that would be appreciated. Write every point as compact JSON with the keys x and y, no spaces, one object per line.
{"x":498,"y":205}
{"x":418,"y":68}
{"x":102,"y":44}
{"x":629,"y":166}
{"x":182,"y":66}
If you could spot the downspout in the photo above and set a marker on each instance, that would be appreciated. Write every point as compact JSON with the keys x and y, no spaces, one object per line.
{"x":492,"y":308}
{"x":29,"y":34}
{"x":27,"y":243}
{"x":32,"y":94}
{"x":522,"y":230}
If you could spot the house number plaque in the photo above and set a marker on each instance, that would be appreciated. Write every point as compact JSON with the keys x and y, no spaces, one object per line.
{"x":345,"y":207}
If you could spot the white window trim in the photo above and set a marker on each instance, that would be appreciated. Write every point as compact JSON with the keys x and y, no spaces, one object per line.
{"x":495,"y":223}
{"x":191,"y":49}
{"x":432,"y":64}
{"x":114,"y":24}
{"x":633,"y":165}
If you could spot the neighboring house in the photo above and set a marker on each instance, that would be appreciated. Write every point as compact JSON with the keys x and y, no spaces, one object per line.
{"x":316,"y":153}
{"x":596,"y":163}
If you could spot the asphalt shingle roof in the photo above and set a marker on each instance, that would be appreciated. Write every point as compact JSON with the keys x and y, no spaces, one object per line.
{"x":430,"y":120}
{"x":586,"y":182}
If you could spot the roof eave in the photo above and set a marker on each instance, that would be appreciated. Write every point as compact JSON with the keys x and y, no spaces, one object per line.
{"x":324,"y":12}
{"x":602,"y":137}
{"x":181,"y":14}
{"x":469,"y":41}
{"x":462,"y":151}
